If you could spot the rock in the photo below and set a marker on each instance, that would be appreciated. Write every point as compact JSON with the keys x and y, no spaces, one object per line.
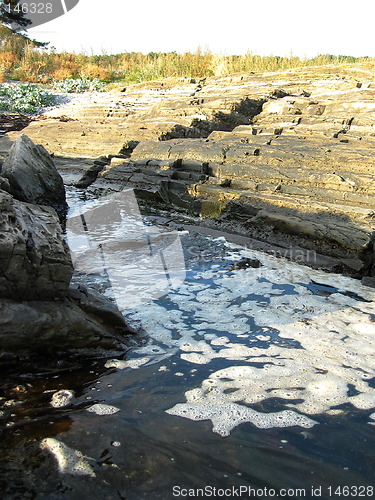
{"x":283,"y":157}
{"x":35,"y":262}
{"x":38,"y":310}
{"x":89,"y":176}
{"x":83,"y":320}
{"x":368,"y":281}
{"x":96,"y":304}
{"x":33,"y":177}
{"x":367,"y":256}
{"x":4,"y":184}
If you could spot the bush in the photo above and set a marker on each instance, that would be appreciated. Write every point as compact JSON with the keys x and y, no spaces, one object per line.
{"x":24,"y":98}
{"x":78,"y":85}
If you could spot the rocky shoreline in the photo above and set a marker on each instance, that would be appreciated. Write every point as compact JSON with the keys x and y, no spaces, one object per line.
{"x":282,"y":162}
{"x":40,"y":310}
{"x":285,"y":159}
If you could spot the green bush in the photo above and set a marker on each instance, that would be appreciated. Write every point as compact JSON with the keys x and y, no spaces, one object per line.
{"x":24,"y":98}
{"x":79,"y":85}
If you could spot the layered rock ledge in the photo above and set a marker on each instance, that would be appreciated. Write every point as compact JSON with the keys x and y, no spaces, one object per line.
{"x":285,"y":158}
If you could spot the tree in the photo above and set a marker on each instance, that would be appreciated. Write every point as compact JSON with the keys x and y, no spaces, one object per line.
{"x":12,"y":16}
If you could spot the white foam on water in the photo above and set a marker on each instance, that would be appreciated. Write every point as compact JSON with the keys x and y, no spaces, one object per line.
{"x":131,"y":363}
{"x":306,"y":349}
{"x":103,"y":409}
{"x":62,"y":398}
{"x":69,"y":461}
{"x":227,"y":416}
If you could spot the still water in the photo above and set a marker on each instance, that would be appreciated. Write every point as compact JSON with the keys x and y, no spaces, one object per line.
{"x":251,"y":377}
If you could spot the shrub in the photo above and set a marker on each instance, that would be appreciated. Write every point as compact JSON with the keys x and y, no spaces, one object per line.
{"x":93,"y":71}
{"x":78,"y":85}
{"x":7,"y":60}
{"x":24,"y":98}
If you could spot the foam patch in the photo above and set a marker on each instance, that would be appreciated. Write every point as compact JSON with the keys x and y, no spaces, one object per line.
{"x":227,"y":416}
{"x":300,"y":336}
{"x":131,"y":363}
{"x":62,"y":398}
{"x":69,"y":461}
{"x":103,"y":409}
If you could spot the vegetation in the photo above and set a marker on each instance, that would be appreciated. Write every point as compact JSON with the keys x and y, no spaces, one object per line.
{"x":45,"y":66}
{"x":25,"y":98}
{"x":22,"y":59}
{"x":11,"y":15}
{"x":69,"y":85}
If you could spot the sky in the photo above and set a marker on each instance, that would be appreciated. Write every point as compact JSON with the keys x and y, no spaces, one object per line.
{"x":269,"y":27}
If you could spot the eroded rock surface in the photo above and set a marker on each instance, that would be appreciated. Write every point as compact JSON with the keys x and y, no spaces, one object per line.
{"x":38,"y":307}
{"x":286,"y":157}
{"x":35,"y":262}
{"x":32,"y":175}
{"x":83,"y":320}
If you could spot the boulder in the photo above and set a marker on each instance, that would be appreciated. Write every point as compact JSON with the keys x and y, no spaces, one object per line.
{"x":83,"y":320}
{"x":33,"y":177}
{"x":35,"y":262}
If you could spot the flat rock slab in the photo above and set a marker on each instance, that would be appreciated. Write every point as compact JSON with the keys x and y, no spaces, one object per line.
{"x":101,"y":123}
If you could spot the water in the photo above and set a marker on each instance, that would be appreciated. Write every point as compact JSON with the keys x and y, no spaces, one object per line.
{"x":259,"y":382}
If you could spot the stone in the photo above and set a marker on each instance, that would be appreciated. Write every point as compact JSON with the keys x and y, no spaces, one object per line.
{"x":83,"y":320}
{"x":292,"y":150}
{"x":33,"y":177}
{"x":35,"y":262}
{"x":4,"y":184}
{"x":367,"y":256}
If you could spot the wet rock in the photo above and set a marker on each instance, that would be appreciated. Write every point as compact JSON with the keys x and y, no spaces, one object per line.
{"x":246,"y":263}
{"x":367,"y":256}
{"x":33,"y":177}
{"x":83,"y":320}
{"x":4,"y":184}
{"x":368,"y":281}
{"x":90,"y":175}
{"x":35,"y":263}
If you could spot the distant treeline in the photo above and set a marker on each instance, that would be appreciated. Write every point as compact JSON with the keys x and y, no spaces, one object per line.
{"x":21,"y":59}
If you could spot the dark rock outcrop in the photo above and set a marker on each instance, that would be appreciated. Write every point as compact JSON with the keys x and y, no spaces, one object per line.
{"x":38,"y":308}
{"x":367,"y":256}
{"x":83,"y":320}
{"x":35,"y":262}
{"x":33,"y":177}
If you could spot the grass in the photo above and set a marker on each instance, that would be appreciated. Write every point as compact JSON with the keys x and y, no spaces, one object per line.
{"x":22,"y":60}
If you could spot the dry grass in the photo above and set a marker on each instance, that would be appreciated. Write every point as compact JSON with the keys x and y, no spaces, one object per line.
{"x":21,"y":60}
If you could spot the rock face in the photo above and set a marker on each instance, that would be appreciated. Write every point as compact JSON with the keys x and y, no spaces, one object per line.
{"x":284,"y":157}
{"x":33,"y":177}
{"x":35,"y":262}
{"x":83,"y":320}
{"x":39,"y":309}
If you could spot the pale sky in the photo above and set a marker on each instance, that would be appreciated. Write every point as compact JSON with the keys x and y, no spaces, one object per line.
{"x":268,"y":27}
